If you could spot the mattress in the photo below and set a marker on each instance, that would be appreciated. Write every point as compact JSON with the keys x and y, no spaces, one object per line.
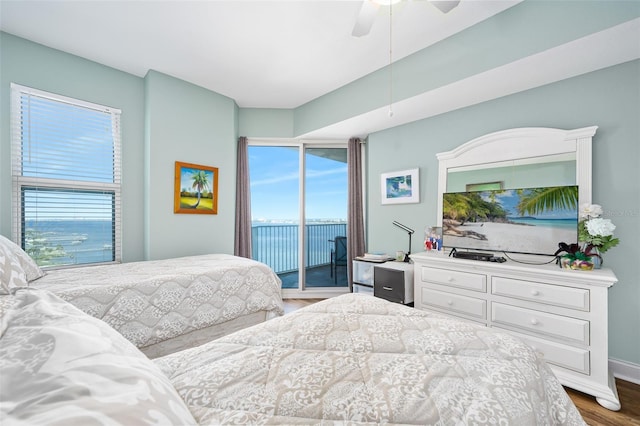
{"x":153,"y":301}
{"x":361,"y":360}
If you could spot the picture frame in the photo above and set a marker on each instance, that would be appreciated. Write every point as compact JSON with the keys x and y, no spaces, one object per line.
{"x":195,"y":189}
{"x":401,"y":187}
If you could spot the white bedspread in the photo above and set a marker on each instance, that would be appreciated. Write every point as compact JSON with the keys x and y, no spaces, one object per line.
{"x":357,"y":359}
{"x":152,"y":301}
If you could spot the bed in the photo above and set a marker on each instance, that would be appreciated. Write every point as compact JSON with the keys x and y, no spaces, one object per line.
{"x":352,"y":359}
{"x":164,"y":305}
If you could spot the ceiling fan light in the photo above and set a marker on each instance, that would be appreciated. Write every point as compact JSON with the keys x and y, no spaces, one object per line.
{"x":445,"y":6}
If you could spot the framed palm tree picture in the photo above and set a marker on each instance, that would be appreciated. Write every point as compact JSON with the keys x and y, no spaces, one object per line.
{"x":195,"y":189}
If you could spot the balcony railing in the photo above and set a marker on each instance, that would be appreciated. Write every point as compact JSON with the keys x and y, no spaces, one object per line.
{"x":277,"y":245}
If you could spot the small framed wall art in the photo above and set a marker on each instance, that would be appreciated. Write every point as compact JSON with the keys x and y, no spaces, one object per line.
{"x":400,"y":187}
{"x":195,"y":189}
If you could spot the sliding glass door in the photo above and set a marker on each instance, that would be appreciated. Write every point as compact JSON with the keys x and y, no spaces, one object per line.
{"x":298,"y":183}
{"x":325,"y":201}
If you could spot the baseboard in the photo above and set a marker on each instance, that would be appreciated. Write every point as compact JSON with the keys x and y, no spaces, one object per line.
{"x":625,"y":370}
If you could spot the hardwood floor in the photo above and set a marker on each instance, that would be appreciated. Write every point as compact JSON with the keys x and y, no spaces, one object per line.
{"x":291,"y":305}
{"x":592,"y":412}
{"x":595,"y":415}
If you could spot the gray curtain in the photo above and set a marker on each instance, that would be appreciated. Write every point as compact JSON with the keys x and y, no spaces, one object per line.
{"x":242,"y":244}
{"x":355,"y":216}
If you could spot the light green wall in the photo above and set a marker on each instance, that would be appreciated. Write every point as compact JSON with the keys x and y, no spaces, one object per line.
{"x":608,"y":98}
{"x":36,"y":66}
{"x":163,"y":120}
{"x":187,"y":123}
{"x":266,"y":122}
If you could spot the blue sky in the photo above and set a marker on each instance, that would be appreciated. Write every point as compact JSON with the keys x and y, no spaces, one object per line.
{"x":68,"y":142}
{"x":275,"y":185}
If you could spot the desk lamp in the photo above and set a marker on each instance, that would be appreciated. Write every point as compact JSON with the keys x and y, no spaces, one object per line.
{"x":409,"y":231}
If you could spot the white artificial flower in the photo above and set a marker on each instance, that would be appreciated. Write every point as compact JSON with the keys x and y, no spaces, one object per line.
{"x":600,"y":227}
{"x":590,"y":211}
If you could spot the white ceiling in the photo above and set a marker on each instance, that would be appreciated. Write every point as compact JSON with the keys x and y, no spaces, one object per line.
{"x":261,"y":53}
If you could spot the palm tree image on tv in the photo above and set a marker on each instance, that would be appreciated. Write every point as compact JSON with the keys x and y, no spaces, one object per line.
{"x":531,"y":220}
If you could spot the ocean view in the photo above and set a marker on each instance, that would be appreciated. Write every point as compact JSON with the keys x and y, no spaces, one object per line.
{"x":570,"y":223}
{"x":276,"y":244}
{"x":71,"y":242}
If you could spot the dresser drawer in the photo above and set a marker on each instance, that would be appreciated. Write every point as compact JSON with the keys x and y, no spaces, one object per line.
{"x":454,"y":302}
{"x":466,"y":280}
{"x":575,"y":330}
{"x":576,"y":359}
{"x":568,"y":297}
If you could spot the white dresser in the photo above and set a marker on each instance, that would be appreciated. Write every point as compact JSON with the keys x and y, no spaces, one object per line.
{"x":561,"y":313}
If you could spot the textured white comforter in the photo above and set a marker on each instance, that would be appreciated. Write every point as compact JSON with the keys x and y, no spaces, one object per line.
{"x":357,"y":359}
{"x":152,"y":301}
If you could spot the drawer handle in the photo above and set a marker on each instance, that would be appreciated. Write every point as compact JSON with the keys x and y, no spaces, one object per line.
{"x":387,"y":288}
{"x":535,"y":292}
{"x":534,"y":321}
{"x":449,"y":302}
{"x":451,"y":279}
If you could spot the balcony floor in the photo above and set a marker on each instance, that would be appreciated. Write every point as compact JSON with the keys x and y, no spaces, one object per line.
{"x":317,"y":276}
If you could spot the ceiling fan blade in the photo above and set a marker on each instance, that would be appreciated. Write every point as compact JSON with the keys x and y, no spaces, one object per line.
{"x":445,"y":6}
{"x":365,"y":18}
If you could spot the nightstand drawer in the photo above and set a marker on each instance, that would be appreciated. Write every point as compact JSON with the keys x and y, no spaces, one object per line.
{"x":455,"y":302}
{"x":394,"y":281}
{"x":393,"y":292}
{"x":363,"y":272}
{"x":576,"y":359}
{"x":568,"y":297}
{"x":469,"y":281}
{"x":559,"y":326}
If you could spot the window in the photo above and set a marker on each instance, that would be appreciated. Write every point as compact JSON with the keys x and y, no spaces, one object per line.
{"x":66,"y":178}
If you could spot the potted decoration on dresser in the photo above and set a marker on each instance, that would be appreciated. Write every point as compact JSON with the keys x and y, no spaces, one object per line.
{"x":573,"y":257}
{"x":595,"y":233}
{"x":595,"y":236}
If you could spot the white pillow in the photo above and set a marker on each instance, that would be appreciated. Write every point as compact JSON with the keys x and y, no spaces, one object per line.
{"x":61,"y":366}
{"x":12,"y":276}
{"x":29,"y":266}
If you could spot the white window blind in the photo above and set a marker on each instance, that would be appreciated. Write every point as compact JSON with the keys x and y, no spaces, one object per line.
{"x":66,"y":178}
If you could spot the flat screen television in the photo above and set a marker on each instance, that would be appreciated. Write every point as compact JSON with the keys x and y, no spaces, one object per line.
{"x":525,"y":220}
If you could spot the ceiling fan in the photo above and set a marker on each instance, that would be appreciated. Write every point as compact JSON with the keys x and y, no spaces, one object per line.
{"x":369,"y":8}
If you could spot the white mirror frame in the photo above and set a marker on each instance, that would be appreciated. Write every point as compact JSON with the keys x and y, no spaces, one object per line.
{"x":519,"y":144}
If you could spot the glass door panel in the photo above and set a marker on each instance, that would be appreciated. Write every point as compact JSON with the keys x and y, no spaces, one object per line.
{"x":325,"y":208}
{"x":275,"y":209}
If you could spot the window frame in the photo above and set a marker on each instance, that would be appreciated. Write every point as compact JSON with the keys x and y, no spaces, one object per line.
{"x":20,"y":182}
